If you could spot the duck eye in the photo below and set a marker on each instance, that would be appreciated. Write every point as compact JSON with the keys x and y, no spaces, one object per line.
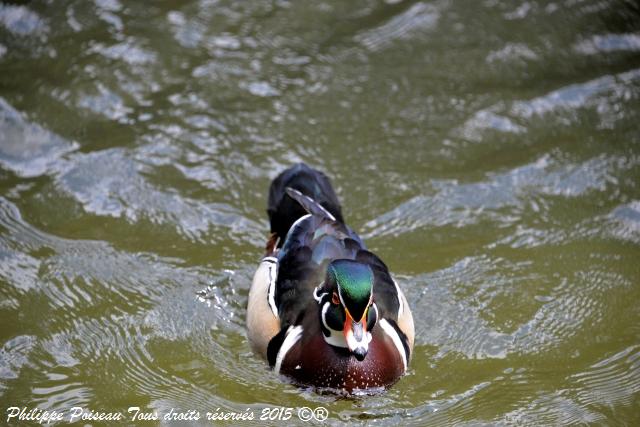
{"x":335,"y":299}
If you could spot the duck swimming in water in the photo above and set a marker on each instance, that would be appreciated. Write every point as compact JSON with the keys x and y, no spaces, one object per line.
{"x":323,"y":309}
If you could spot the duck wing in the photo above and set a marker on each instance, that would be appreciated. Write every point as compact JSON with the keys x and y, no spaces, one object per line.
{"x":313,"y":241}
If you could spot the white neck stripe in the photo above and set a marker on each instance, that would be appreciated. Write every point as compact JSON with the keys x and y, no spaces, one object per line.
{"x":315,"y":293}
{"x":399,"y":295}
{"x":273,"y":275}
{"x":393,"y":334}
{"x":293,"y":335}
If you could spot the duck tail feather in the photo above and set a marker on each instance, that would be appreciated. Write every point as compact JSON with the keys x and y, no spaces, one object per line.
{"x":309,"y":205}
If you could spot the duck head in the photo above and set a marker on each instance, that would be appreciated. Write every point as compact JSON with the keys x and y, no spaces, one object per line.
{"x":347,"y":311}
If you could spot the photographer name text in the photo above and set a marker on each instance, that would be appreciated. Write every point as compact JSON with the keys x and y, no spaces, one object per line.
{"x":16,"y":414}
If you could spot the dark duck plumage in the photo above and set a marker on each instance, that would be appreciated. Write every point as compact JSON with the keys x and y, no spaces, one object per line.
{"x":323,"y":309}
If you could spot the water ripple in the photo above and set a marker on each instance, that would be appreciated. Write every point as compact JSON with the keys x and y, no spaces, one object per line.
{"x":462,"y":205}
{"x":415,"y":19}
{"x":609,"y":43}
{"x":612,"y":381}
{"x":602,"y":94}
{"x":456,"y":325}
{"x":26,"y":148}
{"x":20,"y":20}
{"x":14,"y":355}
{"x":109,"y":183}
{"x":626,"y":222}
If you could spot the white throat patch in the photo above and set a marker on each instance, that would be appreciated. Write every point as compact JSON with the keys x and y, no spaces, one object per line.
{"x":336,"y":338}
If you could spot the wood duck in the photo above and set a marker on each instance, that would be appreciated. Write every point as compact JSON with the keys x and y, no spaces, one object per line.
{"x":323,"y":309}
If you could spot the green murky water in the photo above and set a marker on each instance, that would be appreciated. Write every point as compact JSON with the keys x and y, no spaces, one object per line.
{"x":488,"y":151}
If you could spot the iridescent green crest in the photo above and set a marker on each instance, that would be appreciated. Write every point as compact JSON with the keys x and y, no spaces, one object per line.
{"x":355,"y":284}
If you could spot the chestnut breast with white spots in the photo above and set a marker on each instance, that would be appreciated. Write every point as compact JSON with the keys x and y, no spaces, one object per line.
{"x":312,"y":361}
